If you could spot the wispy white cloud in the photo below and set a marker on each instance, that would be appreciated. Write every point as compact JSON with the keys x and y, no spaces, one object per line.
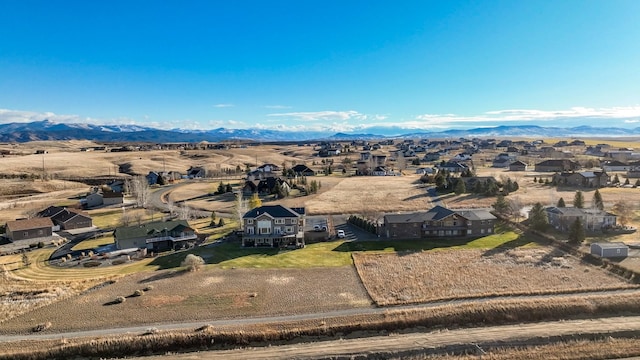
{"x":223,"y":105}
{"x":277,"y":107}
{"x":522,"y":115}
{"x":321,"y":115}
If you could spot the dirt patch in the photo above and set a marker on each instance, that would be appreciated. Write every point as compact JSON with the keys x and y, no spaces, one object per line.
{"x":438,"y":275}
{"x":210,"y":294}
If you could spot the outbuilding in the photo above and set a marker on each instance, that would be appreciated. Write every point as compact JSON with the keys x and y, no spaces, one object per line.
{"x":610,"y":250}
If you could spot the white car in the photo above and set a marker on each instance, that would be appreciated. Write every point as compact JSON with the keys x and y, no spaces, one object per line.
{"x":341,"y":234}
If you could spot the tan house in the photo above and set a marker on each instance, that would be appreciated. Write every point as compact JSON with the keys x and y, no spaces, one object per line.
{"x":29,"y":229}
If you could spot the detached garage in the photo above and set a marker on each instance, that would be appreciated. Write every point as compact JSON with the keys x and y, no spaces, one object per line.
{"x":610,"y":250}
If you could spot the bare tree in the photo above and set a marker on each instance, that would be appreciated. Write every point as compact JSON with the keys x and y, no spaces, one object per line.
{"x":515,"y":207}
{"x":185,"y":212}
{"x":139,"y":188}
{"x":241,"y":207}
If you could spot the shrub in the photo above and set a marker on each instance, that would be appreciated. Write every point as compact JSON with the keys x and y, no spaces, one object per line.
{"x":118,"y":262}
{"x":40,"y":245}
{"x":41,"y":327}
{"x":138,"y":292}
{"x":148,"y":288}
{"x":192,"y":262}
{"x":91,"y":264}
{"x":120,"y":300}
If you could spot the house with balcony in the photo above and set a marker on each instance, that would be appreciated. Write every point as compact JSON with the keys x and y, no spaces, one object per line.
{"x":156,"y":236}
{"x":273,"y":226}
{"x":439,"y":222}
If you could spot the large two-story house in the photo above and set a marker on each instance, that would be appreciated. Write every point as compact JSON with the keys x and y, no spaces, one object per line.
{"x":273,"y":226}
{"x":155,"y":236}
{"x":439,"y":222}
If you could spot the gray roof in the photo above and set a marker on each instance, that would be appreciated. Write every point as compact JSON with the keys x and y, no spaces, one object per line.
{"x":611,"y":245}
{"x":439,"y":213}
{"x":568,"y":211}
{"x":144,"y":230}
{"x":476,"y":214}
{"x":276,"y":211}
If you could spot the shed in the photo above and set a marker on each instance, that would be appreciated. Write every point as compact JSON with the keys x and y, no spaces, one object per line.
{"x":610,"y":250}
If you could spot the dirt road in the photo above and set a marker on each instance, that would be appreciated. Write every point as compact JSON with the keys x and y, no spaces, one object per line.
{"x":418,"y":341}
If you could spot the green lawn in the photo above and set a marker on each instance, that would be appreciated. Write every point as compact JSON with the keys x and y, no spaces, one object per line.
{"x":92,"y":243}
{"x":336,"y":253}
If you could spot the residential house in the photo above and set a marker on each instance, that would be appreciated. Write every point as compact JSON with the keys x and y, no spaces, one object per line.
{"x":269,"y":168}
{"x":156,"y":236}
{"x":103,"y":197}
{"x":196,"y":173}
{"x":152,"y":177}
{"x":557,"y":166}
{"x":583,"y":178}
{"x":265,"y":186}
{"x":561,"y":218}
{"x":66,"y":218}
{"x":439,"y":222}
{"x":116,"y":186}
{"x":273,"y":226}
{"x":518,"y":166}
{"x":453,"y":167}
{"x":426,"y":171}
{"x":25,"y":229}
{"x":615,"y":165}
{"x":303,"y":170}
{"x":112,"y":198}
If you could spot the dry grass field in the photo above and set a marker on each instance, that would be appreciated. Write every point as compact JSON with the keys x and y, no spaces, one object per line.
{"x":211,"y":294}
{"x":403,"y":278}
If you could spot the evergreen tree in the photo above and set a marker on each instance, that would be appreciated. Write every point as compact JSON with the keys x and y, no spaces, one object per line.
{"x":213,"y":218}
{"x":535,"y":180}
{"x":578,"y":200}
{"x":228,"y":188}
{"x":538,"y":217}
{"x":597,"y":200}
{"x":561,"y":203}
{"x":221,"y":188}
{"x":576,"y":232}
{"x":637,"y":183}
{"x":626,"y":181}
{"x":221,"y":222}
{"x":460,"y":188}
{"x":616,"y":179}
{"x":515,"y":186}
{"x":541,"y":181}
{"x":501,"y":206}
{"x":491,"y":188}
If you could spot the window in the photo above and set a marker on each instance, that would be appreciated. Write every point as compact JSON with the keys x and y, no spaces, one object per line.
{"x":277,"y":230}
{"x":264,"y":230}
{"x":278,"y":221}
{"x":489,"y":230}
{"x":40,"y":232}
{"x":249,"y":230}
{"x":250,"y":221}
{"x":289,"y":229}
{"x":469,"y":232}
{"x":481,"y":231}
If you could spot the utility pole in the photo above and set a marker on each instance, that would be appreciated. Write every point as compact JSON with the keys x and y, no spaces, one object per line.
{"x":43,"y":171}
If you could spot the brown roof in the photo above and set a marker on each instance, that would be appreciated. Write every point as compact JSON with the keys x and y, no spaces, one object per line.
{"x":26,"y":224}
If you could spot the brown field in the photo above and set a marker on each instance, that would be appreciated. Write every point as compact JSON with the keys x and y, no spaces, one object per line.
{"x":211,"y":294}
{"x":402,"y":278}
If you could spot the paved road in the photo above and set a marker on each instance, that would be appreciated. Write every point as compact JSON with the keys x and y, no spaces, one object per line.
{"x":420,"y":341}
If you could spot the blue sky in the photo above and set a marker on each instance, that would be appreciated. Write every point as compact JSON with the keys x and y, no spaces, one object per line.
{"x":321,"y":65}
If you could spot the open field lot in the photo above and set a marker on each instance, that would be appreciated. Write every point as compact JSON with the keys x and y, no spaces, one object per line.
{"x":210,"y":294}
{"x":402,"y":278}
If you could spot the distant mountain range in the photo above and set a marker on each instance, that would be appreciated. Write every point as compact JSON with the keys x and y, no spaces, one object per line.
{"x":48,"y":130}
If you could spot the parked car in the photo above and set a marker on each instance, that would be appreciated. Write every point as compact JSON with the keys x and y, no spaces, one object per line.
{"x":341,"y":234}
